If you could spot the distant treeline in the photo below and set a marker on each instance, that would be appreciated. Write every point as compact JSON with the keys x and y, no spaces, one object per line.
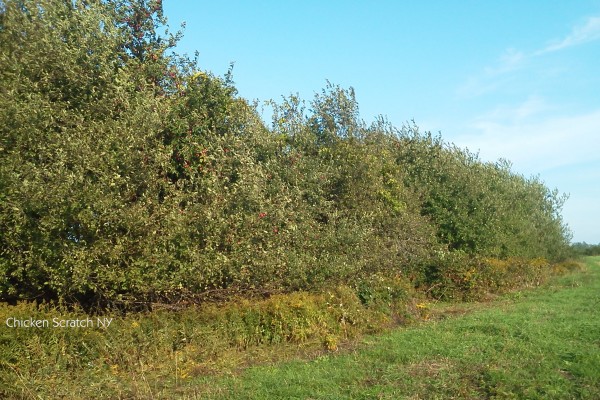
{"x":127,"y":174}
{"x":585,"y":249}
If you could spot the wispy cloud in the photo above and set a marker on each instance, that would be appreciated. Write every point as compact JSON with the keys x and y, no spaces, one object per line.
{"x":531,"y":107}
{"x":533,"y":137}
{"x":513,"y":60}
{"x":534,"y":133}
{"x":494,"y":76}
{"x":587,"y":32}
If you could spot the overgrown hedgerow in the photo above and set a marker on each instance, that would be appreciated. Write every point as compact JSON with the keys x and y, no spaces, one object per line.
{"x":128,"y":177}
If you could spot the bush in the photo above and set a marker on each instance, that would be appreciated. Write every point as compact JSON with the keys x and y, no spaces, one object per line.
{"x":464,"y":278}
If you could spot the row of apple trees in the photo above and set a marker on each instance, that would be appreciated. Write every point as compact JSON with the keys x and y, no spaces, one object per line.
{"x":129,"y":175}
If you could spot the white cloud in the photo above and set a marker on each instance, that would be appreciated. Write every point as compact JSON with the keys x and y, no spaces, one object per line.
{"x":580,"y":34}
{"x":533,"y":140}
{"x":495,"y":76}
{"x":534,"y":105}
{"x":501,"y":73}
{"x":511,"y":60}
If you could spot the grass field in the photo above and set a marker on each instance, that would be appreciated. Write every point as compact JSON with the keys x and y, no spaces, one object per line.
{"x":535,"y":344}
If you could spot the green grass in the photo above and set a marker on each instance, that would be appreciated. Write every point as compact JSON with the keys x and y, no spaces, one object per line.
{"x":535,"y":344}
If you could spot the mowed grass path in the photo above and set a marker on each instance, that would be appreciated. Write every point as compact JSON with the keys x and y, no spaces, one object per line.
{"x":535,"y":344}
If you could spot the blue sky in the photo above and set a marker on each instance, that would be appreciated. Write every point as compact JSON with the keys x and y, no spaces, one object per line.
{"x":513,"y":79}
